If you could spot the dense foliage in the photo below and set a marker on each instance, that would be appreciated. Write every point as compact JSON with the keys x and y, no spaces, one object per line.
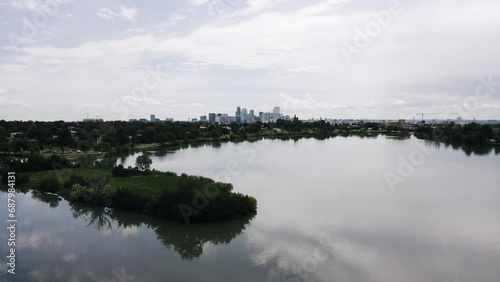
{"x":203,"y":200}
{"x":119,"y":136}
{"x":20,"y":179}
{"x":37,"y":162}
{"x":194,"y":199}
{"x":143,"y":162}
{"x":120,"y":171}
{"x":471,"y":133}
{"x":50,"y":184}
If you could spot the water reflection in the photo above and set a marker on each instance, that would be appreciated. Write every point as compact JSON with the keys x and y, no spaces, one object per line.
{"x":51,"y":199}
{"x":187,"y":241}
{"x":97,"y":217}
{"x":398,"y":137}
{"x":468,"y":149}
{"x":318,"y":220}
{"x":162,"y":153}
{"x":478,"y":150}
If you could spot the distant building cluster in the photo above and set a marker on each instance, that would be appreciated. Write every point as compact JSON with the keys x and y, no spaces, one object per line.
{"x":243,"y":115}
{"x":152,"y":119}
{"x":93,"y":120}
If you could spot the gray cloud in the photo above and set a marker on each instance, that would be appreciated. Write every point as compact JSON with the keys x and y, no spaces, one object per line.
{"x":251,"y":55}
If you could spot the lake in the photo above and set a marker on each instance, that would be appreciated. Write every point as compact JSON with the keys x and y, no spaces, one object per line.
{"x":342,"y":209}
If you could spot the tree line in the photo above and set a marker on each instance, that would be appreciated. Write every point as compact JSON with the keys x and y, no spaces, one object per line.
{"x":471,"y":133}
{"x":119,"y":136}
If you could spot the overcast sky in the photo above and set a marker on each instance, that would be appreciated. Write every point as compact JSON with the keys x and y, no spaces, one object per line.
{"x":327,"y":58}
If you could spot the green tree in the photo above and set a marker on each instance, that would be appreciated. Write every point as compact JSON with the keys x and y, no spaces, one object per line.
{"x":84,"y":147}
{"x":64,"y":138}
{"x":143,"y":162}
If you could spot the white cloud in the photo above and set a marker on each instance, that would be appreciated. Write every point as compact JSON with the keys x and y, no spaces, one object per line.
{"x":38,"y":6}
{"x":135,"y":101}
{"x":370,"y":105}
{"x":5,"y":101}
{"x":135,"y":30}
{"x":117,"y":12}
{"x":263,"y":49}
{"x":308,"y":103}
{"x":198,"y":2}
{"x":489,"y":106}
{"x":173,"y":20}
{"x":91,"y":105}
{"x":402,"y":103}
{"x":256,"y":6}
{"x":30,"y":5}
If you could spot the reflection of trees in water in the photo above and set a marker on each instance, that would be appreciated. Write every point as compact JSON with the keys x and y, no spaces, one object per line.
{"x":161,"y":153}
{"x":20,"y":188}
{"x":51,"y":199}
{"x":479,"y":150}
{"x":214,"y":144}
{"x":398,"y":137}
{"x":187,"y":240}
{"x":468,"y":149}
{"x":98,"y":217}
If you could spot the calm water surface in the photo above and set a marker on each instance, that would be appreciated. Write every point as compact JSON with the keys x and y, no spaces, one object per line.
{"x":326,"y":213}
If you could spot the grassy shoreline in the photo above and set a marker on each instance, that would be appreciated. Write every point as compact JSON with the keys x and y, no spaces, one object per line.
{"x":164,"y":194}
{"x":72,"y":155}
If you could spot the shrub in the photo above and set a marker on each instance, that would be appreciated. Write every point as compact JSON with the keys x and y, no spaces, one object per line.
{"x":80,"y":193}
{"x":85,"y":194}
{"x":49,"y":185}
{"x":120,"y":171}
{"x":4,"y":177}
{"x":128,"y":200}
{"x":20,"y":179}
{"x":75,"y":179}
{"x":169,"y":173}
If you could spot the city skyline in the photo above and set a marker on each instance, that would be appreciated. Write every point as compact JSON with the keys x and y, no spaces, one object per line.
{"x":244,"y":115}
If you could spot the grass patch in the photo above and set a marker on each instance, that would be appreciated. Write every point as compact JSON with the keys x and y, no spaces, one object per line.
{"x":147,"y":185}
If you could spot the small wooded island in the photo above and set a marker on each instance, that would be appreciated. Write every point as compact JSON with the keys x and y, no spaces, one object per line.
{"x":183,"y":198}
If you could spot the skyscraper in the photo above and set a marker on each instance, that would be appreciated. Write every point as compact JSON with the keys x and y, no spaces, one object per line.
{"x":152,"y":118}
{"x":238,"y":115}
{"x":244,"y":115}
{"x":211,"y":117}
{"x":251,"y":116}
{"x":276,"y":113}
